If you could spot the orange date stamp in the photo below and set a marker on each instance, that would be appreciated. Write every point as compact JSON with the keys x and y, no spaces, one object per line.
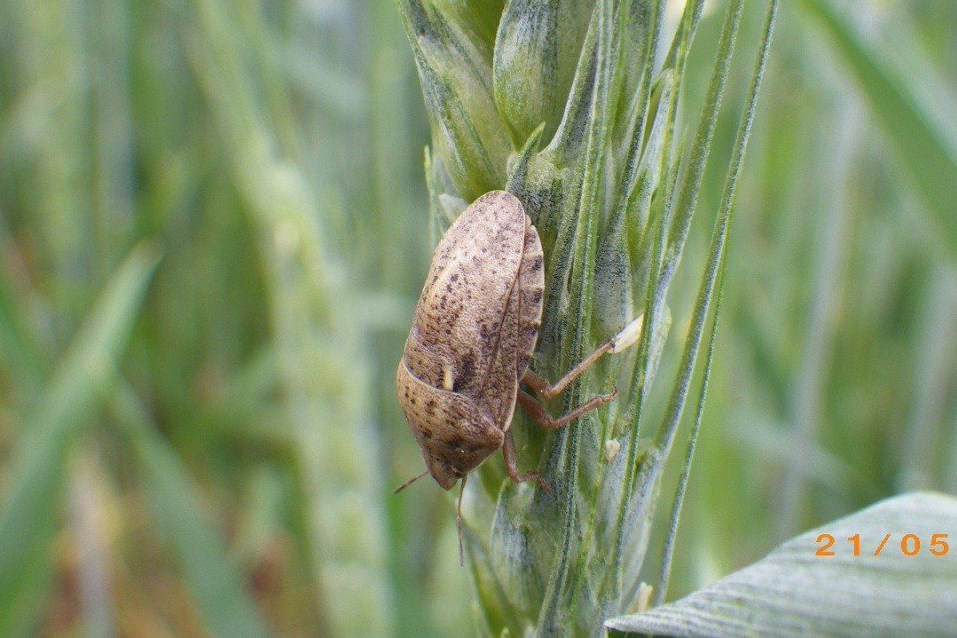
{"x":909,"y":544}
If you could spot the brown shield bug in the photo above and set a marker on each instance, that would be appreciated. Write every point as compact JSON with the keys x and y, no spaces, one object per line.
{"x":473,"y":334}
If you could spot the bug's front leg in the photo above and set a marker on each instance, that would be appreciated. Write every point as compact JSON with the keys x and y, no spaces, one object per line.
{"x":621,"y":341}
{"x":540,"y":416}
{"x":548,"y":390}
{"x":511,"y":465}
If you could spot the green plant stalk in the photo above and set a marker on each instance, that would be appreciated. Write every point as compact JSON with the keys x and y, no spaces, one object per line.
{"x":616,"y":130}
{"x":640,"y":382}
{"x":325,"y":370}
{"x":667,"y":554}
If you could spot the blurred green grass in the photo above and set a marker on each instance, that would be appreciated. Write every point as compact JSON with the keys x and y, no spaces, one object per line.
{"x":229,"y":464}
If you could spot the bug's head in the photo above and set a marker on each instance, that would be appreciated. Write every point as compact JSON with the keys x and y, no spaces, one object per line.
{"x":452,"y":453}
{"x":454,"y":432}
{"x":444,"y":473}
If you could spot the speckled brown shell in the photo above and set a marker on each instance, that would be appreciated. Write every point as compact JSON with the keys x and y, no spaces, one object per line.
{"x":474,"y":332}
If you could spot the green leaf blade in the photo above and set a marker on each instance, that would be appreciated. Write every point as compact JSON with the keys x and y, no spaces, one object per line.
{"x":793,"y":591}
{"x":213,"y":578}
{"x":28,"y":511}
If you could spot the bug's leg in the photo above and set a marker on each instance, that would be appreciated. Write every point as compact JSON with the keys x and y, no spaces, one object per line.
{"x":458,"y":521}
{"x":550,"y":390}
{"x":621,"y":341}
{"x":511,"y":465}
{"x":540,"y":416}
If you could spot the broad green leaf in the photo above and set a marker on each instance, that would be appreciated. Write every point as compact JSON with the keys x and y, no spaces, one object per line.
{"x":214,"y":580}
{"x":927,"y":144}
{"x":29,"y":508}
{"x":793,"y":591}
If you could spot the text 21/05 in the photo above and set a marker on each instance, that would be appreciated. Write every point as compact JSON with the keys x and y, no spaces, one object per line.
{"x":908,"y":544}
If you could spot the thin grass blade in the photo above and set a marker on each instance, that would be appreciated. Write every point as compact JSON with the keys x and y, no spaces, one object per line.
{"x":214,"y":580}
{"x":925,"y":141}
{"x":29,"y":509}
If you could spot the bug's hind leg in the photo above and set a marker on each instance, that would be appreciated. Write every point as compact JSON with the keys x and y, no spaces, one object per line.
{"x":540,"y":416}
{"x":511,"y":465}
{"x":621,"y":341}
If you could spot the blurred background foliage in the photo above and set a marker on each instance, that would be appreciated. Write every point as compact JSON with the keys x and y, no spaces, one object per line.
{"x":213,"y":230}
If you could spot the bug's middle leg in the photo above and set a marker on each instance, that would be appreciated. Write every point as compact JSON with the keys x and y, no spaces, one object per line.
{"x":511,"y":465}
{"x":540,"y":416}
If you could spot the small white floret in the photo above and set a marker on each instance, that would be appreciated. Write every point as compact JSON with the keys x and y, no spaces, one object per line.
{"x":628,"y":335}
{"x":612,"y":447}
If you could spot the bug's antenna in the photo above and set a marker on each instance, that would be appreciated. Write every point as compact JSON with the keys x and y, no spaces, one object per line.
{"x":458,"y":522}
{"x":409,"y":482}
